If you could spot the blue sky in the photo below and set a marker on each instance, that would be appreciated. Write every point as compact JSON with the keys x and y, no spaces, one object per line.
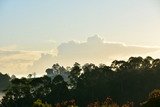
{"x":33,"y":22}
{"x":34,"y":27}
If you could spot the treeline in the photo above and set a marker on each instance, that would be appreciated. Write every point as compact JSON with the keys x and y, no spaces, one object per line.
{"x":4,"y":81}
{"x":122,"y":84}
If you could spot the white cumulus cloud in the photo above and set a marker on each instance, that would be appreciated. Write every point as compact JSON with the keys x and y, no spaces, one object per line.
{"x":94,"y":50}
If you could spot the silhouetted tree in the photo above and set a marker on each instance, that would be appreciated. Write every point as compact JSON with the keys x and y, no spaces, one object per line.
{"x":123,"y":81}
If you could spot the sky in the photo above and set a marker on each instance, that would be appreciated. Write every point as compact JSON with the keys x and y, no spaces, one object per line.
{"x":34,"y":34}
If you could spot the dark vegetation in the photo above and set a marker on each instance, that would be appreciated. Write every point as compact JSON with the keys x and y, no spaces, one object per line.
{"x":4,"y":81}
{"x":131,"y":83}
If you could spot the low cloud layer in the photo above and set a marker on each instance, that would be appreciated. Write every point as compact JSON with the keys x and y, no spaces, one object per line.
{"x":94,"y":50}
{"x":16,"y":62}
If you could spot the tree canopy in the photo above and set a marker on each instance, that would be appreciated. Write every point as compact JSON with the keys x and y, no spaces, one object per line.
{"x":125,"y":82}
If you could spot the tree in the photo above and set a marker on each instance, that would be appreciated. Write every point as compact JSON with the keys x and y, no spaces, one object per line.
{"x":29,"y":76}
{"x":4,"y":81}
{"x":135,"y":62}
{"x":59,"y":90}
{"x":39,"y":103}
{"x":153,"y":99}
{"x":123,"y":81}
{"x":74,"y":74}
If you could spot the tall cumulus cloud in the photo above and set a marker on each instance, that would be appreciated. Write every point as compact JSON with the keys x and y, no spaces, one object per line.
{"x":94,"y":50}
